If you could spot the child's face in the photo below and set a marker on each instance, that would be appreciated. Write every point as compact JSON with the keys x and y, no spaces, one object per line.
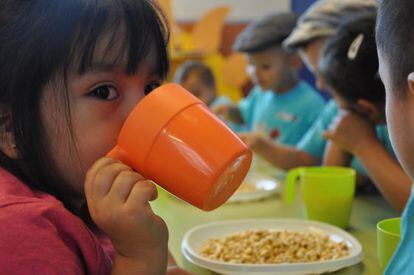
{"x":365,"y":108}
{"x":197,"y":87}
{"x":268,"y":68}
{"x":100,"y":101}
{"x":310,"y":56}
{"x":400,"y":117}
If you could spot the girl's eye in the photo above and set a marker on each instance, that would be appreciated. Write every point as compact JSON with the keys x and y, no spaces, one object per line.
{"x":105,"y":92}
{"x":150,"y":87}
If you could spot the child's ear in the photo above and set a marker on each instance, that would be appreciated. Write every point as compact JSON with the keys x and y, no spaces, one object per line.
{"x":410,"y":80}
{"x":296,"y":62}
{"x":7,"y":143}
{"x":369,"y":109}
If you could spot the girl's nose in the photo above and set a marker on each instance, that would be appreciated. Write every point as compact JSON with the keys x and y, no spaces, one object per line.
{"x":132,"y":99}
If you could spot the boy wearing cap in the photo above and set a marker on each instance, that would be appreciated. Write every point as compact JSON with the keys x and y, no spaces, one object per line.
{"x":280,"y":106}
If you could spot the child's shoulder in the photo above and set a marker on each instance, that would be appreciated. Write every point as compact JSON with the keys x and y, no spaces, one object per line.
{"x":43,"y":233}
{"x":22,"y":207}
{"x":306,"y":94}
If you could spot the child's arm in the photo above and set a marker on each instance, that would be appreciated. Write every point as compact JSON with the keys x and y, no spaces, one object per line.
{"x":335,"y":156}
{"x":229,"y":112}
{"x":357,"y":136}
{"x":282,"y":156}
{"x":118,"y":201}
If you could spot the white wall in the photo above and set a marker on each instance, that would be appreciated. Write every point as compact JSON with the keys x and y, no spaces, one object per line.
{"x":241,"y":10}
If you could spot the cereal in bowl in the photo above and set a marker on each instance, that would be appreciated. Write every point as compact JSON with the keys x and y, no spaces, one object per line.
{"x":273,"y":247}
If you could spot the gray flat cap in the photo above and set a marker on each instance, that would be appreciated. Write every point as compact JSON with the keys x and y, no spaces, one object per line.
{"x":265,"y":32}
{"x":323,"y":18}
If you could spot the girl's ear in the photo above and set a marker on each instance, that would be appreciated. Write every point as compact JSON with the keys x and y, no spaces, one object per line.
{"x":7,"y":144}
{"x":369,"y":109}
{"x":410,"y":80}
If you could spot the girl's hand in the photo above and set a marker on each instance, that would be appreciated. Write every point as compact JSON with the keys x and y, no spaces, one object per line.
{"x":351,"y":132}
{"x":118,"y":200}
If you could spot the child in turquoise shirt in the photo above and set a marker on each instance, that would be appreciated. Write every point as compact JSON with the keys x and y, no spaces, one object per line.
{"x":284,"y":117}
{"x":280,"y":106}
{"x":395,"y":34}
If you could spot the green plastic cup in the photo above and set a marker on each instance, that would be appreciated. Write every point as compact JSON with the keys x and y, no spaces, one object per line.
{"x":388,"y":238}
{"x":327,"y":192}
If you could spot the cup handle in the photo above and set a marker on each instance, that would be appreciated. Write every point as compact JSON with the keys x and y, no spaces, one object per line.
{"x":290,"y":184}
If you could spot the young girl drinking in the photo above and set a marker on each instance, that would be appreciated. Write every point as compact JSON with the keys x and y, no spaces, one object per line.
{"x":70,"y":73}
{"x":358,"y":135}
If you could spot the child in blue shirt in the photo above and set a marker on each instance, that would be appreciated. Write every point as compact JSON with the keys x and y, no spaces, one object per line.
{"x":358,"y":135}
{"x":396,"y":57}
{"x":280,"y":106}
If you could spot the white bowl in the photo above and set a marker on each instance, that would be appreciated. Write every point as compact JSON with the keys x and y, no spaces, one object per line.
{"x":196,"y":237}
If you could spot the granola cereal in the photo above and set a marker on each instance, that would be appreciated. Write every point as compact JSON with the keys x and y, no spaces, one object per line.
{"x":273,"y":247}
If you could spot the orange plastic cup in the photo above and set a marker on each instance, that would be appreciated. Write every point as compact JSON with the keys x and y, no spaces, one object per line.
{"x":172,"y":138}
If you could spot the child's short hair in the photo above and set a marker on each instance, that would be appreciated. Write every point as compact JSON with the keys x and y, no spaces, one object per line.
{"x":266,"y":32}
{"x":203,"y":72}
{"x":349,"y":62}
{"x":395,"y":38}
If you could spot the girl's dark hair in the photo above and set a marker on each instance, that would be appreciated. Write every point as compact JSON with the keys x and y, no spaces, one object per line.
{"x":353,"y":74}
{"x":44,"y":39}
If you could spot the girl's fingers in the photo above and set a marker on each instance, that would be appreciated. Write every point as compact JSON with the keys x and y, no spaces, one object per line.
{"x":122,"y":186}
{"x":142,"y":193}
{"x":105,"y":177}
{"x":91,"y":174}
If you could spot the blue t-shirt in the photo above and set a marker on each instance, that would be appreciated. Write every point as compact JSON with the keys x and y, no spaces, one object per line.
{"x":402,"y":263}
{"x":314,"y":144}
{"x":285,"y":117}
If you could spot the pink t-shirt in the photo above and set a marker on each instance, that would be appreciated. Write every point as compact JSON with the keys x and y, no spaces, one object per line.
{"x":38,"y":235}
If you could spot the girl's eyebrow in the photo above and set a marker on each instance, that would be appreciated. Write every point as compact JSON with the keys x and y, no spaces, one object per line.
{"x":102,"y":67}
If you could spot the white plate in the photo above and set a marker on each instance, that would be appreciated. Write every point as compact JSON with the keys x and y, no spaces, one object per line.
{"x":261,"y":187}
{"x":196,"y":237}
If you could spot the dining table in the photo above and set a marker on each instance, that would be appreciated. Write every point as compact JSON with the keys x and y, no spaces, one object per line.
{"x":367,"y":211}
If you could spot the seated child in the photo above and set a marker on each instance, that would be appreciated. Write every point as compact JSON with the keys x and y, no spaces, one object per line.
{"x":358,"y":135}
{"x":396,"y":57}
{"x":71,"y":72}
{"x":280,"y":106}
{"x":199,"y":79}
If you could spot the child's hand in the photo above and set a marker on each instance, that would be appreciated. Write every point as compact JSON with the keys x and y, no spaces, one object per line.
{"x":222,"y":110}
{"x":118,"y":201}
{"x":351,"y":132}
{"x":254,"y":141}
